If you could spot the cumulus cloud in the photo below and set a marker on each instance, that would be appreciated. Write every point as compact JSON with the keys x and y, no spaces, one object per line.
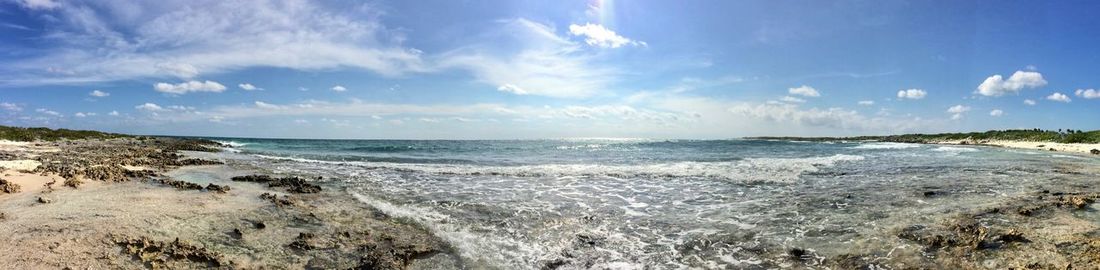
{"x":339,"y":88}
{"x":1087,"y":93}
{"x":97,"y":93}
{"x":1059,"y":97}
{"x":912,"y":94}
{"x":1029,"y":102}
{"x":957,"y":111}
{"x":190,"y":86}
{"x":995,"y":86}
{"x":83,"y":114}
{"x":113,"y":113}
{"x":996,"y":112}
{"x":835,"y":118}
{"x":248,"y":87}
{"x":792,"y":99}
{"x":804,"y":90}
{"x":95,"y":41}
{"x":866,"y":102}
{"x":600,"y":36}
{"x":7,"y":106}
{"x":264,"y":105}
{"x":151,"y":107}
{"x":47,"y":112}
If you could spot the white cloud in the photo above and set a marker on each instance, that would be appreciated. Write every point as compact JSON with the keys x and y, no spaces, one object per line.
{"x":912,"y":94}
{"x":7,"y":106}
{"x":1087,"y":93}
{"x":804,"y":91}
{"x":97,"y":93}
{"x":39,"y":4}
{"x":834,"y":118}
{"x":190,"y":86}
{"x":113,"y":113}
{"x":1029,"y":102}
{"x":957,"y":111}
{"x":792,"y":99}
{"x":82,"y":114}
{"x":339,"y":88}
{"x":996,"y":112}
{"x":866,"y":102}
{"x":600,"y":36}
{"x":248,"y":87}
{"x":531,"y":56}
{"x":48,"y":112}
{"x":511,"y":88}
{"x":264,"y":105}
{"x":995,"y":86}
{"x":151,"y":107}
{"x":109,"y":40}
{"x":376,"y":117}
{"x":1059,"y":97}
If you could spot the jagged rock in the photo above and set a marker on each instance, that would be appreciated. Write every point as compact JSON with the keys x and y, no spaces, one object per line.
{"x":181,"y":184}
{"x":305,"y":241}
{"x":294,"y":184}
{"x":964,"y":232}
{"x":9,"y":187}
{"x":1095,"y":151}
{"x":218,"y":188}
{"x":1028,"y":210}
{"x":176,"y":254}
{"x":1076,"y":202}
{"x":74,"y":182}
{"x":797,"y":253}
{"x":198,"y":162}
{"x":1012,"y":236}
{"x":280,"y":202}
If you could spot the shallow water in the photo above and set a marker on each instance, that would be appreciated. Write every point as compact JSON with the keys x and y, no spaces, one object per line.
{"x":627,"y":204}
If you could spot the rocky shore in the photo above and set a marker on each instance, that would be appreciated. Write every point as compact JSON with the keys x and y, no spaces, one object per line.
{"x":117,"y":203}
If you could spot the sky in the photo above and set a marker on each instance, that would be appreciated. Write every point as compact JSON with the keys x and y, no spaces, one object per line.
{"x":548,"y":69}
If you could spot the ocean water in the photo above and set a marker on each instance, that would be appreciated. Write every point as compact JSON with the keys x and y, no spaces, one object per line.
{"x":667,"y":204}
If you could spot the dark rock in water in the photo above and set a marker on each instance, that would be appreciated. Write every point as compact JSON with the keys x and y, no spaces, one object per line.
{"x":1095,"y":151}
{"x":3,"y":216}
{"x":929,"y":193}
{"x":259,"y":225}
{"x":9,"y":187}
{"x":964,"y":232}
{"x":44,"y":200}
{"x":280,"y":202}
{"x":294,"y":184}
{"x":218,"y":188}
{"x":589,"y":240}
{"x":796,"y":253}
{"x":304,"y":242}
{"x":197,"y":162}
{"x":177,"y":254}
{"x":1028,"y":210}
{"x":1053,"y":150}
{"x":1012,"y":236}
{"x":237,"y":233}
{"x":181,"y":184}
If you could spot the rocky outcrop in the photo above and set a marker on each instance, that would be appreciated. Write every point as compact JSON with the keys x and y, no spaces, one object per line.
{"x":1095,"y":151}
{"x":293,"y":184}
{"x":170,"y":255}
{"x":217,"y":188}
{"x":184,"y":185}
{"x":280,"y":202}
{"x":9,"y":187}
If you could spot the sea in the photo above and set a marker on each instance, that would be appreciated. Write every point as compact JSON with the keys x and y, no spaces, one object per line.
{"x":600,"y":203}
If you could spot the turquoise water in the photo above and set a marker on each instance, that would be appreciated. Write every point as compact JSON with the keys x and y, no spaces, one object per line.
{"x":628,"y":204}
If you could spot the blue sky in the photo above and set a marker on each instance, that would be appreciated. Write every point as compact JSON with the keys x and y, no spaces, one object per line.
{"x":548,"y":69}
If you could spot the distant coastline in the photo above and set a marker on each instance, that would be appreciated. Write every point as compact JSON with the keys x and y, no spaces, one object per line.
{"x":1073,"y":141}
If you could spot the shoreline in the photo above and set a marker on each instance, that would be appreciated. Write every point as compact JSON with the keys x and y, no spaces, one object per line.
{"x":134,"y":204}
{"x":1076,"y":148}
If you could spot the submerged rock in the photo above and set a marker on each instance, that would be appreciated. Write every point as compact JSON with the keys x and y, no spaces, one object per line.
{"x":1074,"y":201}
{"x":294,"y":184}
{"x":9,"y":187}
{"x":218,"y":188}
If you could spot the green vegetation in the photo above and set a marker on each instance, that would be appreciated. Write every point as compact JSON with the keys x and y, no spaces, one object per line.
{"x":46,"y":134}
{"x":1033,"y":135}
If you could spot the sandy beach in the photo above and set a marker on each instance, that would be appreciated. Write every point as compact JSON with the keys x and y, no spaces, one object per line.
{"x":120,"y":204}
{"x":1077,"y":148}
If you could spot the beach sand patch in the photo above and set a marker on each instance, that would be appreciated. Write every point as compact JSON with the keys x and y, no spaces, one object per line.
{"x":20,"y":165}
